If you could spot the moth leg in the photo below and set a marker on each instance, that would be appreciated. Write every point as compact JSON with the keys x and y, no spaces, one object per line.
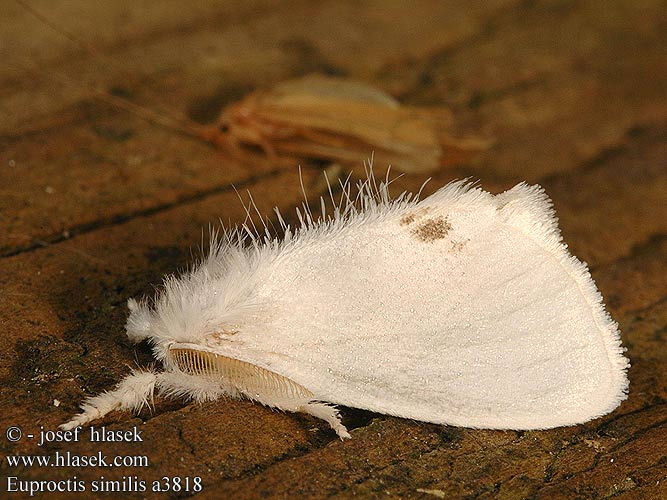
{"x":177,"y":385}
{"x":234,"y":147}
{"x":292,"y":401}
{"x":317,"y":409}
{"x":327,"y":413}
{"x":131,"y":393}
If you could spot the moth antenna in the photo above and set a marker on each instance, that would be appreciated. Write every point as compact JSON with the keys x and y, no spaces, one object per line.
{"x":180,"y":124}
{"x":170,"y":118}
{"x":176,"y":123}
{"x":71,"y":37}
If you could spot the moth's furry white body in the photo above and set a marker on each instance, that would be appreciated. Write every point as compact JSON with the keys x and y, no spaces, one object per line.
{"x":464,"y":308}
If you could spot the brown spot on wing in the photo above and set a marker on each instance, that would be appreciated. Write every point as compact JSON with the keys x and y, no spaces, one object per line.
{"x":409,"y":218}
{"x":432,"y":229}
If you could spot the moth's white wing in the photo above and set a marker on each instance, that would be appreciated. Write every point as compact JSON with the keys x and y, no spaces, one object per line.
{"x":465,"y":309}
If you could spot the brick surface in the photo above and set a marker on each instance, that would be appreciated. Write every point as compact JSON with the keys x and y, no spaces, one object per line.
{"x":96,"y":205}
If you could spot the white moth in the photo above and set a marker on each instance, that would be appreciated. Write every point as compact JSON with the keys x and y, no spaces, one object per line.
{"x":463,"y":308}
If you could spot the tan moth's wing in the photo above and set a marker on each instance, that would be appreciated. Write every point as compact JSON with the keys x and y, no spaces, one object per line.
{"x":320,"y":86}
{"x":347,"y":124}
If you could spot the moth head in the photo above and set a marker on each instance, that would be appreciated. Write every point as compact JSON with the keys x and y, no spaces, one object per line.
{"x":236,"y":132}
{"x":207,"y":306}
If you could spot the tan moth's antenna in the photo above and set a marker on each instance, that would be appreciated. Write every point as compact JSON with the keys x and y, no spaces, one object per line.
{"x":173,"y":119}
{"x":180,"y":124}
{"x":72,"y":38}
